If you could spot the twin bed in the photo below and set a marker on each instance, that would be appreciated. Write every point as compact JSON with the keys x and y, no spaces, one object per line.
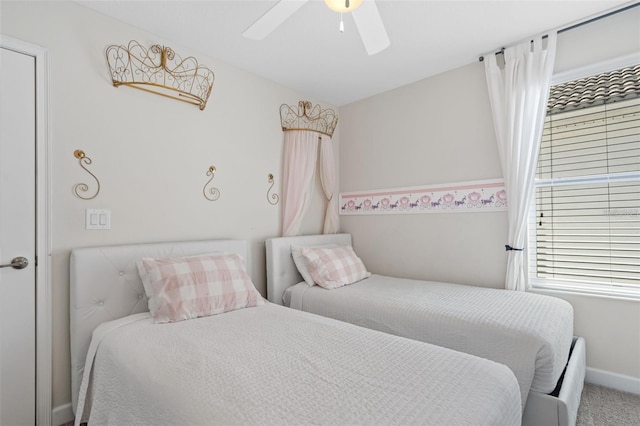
{"x":265,"y":364}
{"x":532,"y":334}
{"x":269,"y":364}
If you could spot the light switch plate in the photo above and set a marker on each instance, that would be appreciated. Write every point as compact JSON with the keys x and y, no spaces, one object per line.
{"x":98,"y":219}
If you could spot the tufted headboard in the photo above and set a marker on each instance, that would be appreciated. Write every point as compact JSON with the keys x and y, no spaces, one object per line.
{"x":281,"y":271}
{"x":105,"y":285}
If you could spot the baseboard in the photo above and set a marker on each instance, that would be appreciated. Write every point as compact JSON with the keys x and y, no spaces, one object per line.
{"x":613,"y":380}
{"x":62,"y":414}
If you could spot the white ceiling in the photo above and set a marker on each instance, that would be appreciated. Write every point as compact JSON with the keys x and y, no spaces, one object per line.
{"x":308,"y":53}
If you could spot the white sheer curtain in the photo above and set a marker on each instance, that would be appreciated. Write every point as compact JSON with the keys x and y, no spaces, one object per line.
{"x":300,"y":157}
{"x":328,"y":179}
{"x":519,"y":92}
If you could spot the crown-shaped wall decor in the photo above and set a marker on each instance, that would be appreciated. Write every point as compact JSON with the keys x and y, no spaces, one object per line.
{"x":308,"y":117}
{"x":161,"y":71}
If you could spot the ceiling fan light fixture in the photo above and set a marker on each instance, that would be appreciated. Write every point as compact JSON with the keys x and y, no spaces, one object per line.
{"x":343,"y":5}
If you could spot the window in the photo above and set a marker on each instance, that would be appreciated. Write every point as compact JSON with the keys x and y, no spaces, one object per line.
{"x":585,"y":222}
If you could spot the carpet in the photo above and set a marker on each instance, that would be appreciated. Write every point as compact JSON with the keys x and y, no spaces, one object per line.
{"x":601,"y":406}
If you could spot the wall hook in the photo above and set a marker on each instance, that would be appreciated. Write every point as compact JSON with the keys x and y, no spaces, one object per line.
{"x":215,"y":193}
{"x":83,"y":187}
{"x":274,"y":197}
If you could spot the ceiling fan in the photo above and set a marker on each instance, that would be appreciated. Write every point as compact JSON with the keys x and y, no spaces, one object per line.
{"x":365,"y":14}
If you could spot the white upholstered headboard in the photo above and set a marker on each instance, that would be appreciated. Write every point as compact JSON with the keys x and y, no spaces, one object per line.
{"x":281,"y":271}
{"x":105,"y":285}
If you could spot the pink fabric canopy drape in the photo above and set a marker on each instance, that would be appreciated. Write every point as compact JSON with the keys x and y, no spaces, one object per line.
{"x":300,"y":157}
{"x":328,"y":179}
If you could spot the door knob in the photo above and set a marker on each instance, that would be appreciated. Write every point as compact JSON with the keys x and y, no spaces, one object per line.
{"x":17,"y":263}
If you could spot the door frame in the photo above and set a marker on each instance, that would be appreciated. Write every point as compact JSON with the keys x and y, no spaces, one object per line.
{"x":43,"y":225}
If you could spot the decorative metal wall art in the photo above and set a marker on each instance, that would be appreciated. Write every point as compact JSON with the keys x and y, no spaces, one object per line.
{"x":273,"y":198}
{"x":212,"y":194}
{"x":83,"y":187}
{"x":308,"y":117}
{"x":161,"y":71}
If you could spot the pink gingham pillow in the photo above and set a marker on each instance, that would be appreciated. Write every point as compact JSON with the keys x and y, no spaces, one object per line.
{"x":334,"y":267}
{"x":190,"y":287}
{"x":302,"y":263}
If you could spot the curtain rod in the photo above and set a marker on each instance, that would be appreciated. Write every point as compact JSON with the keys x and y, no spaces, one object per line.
{"x":579,"y":24}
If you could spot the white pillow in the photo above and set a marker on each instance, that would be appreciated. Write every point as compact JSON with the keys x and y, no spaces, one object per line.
{"x":302,"y":263}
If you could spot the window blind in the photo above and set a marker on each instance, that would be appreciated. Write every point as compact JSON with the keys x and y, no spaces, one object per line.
{"x":587,"y":207}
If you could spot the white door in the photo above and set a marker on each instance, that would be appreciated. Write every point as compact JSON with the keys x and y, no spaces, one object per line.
{"x":17,"y":239}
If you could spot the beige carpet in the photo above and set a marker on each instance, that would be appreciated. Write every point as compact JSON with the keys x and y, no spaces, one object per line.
{"x":602,"y":406}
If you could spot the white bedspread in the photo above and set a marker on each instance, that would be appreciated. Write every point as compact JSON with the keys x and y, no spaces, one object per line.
{"x":274,"y":365}
{"x":528,"y":332}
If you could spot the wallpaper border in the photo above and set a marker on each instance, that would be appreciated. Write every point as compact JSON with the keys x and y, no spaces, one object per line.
{"x":461,"y":197}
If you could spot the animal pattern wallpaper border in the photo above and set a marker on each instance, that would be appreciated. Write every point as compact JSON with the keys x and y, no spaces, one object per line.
{"x":462,"y":197}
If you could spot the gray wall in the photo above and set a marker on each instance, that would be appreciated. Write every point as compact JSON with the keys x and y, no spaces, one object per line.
{"x":437,"y":130}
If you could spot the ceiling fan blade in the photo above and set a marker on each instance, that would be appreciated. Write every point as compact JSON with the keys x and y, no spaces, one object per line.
{"x":273,"y":18}
{"x":371,"y":28}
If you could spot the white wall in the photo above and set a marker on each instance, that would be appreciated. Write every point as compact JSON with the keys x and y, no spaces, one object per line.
{"x":440,"y":130}
{"x":149,"y":152}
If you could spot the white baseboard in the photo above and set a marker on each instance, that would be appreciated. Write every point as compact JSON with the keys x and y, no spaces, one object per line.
{"x":613,"y":380}
{"x":62,"y":414}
